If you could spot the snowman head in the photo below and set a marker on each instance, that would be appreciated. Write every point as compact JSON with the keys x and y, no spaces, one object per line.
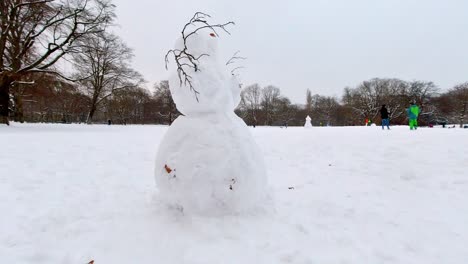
{"x":213,"y":88}
{"x":201,"y":44}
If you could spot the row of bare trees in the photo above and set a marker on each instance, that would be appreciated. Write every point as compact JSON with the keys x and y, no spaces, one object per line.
{"x":437,"y":107}
{"x":266,"y":106}
{"x":366,"y":99}
{"x":453,"y":104}
{"x":51,"y":99}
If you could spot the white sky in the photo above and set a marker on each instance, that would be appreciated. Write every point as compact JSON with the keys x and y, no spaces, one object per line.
{"x":323,"y":45}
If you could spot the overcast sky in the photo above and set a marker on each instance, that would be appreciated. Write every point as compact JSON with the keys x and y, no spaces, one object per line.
{"x":322,"y":45}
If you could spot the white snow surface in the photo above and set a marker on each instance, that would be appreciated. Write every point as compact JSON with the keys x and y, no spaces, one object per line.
{"x":72,"y":193}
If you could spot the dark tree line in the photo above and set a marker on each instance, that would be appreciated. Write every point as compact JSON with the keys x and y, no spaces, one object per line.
{"x":51,"y":99}
{"x":436,"y":107}
{"x":266,"y":106}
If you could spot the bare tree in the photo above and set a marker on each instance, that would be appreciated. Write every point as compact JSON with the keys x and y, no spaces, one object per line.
{"x":270,"y":95}
{"x":421,"y":92}
{"x":127,"y":106}
{"x":166,"y":106}
{"x":35,"y":34}
{"x":460,"y":95}
{"x":103,"y":65}
{"x":308,"y":105}
{"x":250,"y":102}
{"x":393,"y":96}
{"x":366,"y":98}
{"x":325,"y":109}
{"x":284,"y":111}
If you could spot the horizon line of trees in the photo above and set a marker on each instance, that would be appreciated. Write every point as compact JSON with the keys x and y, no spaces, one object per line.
{"x":53,"y":100}
{"x":266,"y":106}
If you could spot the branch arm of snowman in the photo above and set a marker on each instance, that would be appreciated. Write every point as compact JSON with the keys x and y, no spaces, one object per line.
{"x":183,"y":58}
{"x":236,"y":68}
{"x":233,"y":60}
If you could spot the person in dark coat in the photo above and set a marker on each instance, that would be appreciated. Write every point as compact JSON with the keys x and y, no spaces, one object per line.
{"x":384,"y":116}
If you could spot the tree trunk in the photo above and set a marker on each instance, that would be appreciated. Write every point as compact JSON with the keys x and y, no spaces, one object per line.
{"x":462,"y":115}
{"x":5,"y":82}
{"x":19,"y":113}
{"x":89,"y":120}
{"x":92,"y":109}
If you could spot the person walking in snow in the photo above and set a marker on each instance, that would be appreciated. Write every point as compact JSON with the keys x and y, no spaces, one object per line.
{"x":384,"y":116}
{"x":413,"y":113}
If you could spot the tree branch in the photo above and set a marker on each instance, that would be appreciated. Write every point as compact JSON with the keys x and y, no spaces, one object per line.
{"x":185,"y":61}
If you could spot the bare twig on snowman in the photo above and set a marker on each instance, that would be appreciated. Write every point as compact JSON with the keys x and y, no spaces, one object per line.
{"x":183,"y":58}
{"x":234,"y":58}
{"x":236,"y":68}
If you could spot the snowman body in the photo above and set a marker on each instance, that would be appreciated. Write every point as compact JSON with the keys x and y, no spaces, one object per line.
{"x":208,"y":162}
{"x":308,"y":122}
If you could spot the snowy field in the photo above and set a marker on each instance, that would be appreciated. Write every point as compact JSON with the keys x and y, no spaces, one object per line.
{"x":73,"y":193}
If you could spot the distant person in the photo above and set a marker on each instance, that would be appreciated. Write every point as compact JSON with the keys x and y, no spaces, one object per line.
{"x":384,"y":116}
{"x":413,"y":113}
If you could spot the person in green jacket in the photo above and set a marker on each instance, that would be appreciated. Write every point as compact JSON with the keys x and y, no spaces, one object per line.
{"x":413,"y":113}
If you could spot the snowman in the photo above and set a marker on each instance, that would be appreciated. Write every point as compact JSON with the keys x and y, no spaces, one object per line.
{"x":308,"y":122}
{"x":208,"y":163}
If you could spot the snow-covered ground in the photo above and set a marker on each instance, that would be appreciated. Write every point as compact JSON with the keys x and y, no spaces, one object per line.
{"x":73,"y":193}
